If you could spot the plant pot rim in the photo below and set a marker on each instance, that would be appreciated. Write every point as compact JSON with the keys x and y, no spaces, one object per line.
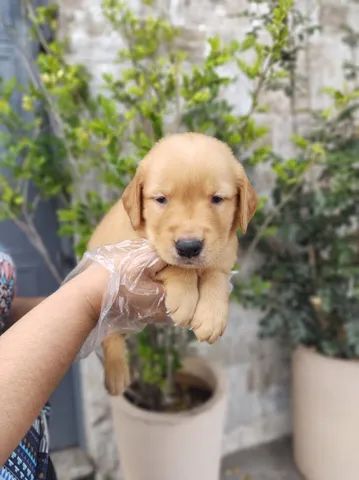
{"x":312,"y":351}
{"x":219,"y":391}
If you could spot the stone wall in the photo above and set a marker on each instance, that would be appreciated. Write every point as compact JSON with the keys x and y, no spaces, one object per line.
{"x":258,"y":371}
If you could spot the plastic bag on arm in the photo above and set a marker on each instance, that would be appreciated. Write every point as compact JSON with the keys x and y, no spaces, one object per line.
{"x":132,"y":298}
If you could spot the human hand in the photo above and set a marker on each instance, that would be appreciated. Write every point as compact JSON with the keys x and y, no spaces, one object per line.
{"x":132,"y":298}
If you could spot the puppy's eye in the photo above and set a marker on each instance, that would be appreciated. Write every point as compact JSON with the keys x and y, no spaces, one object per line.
{"x":216,"y":199}
{"x":161,"y":199}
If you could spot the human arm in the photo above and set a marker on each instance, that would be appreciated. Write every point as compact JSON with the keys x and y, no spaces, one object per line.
{"x":21,"y":305}
{"x":34,"y":359}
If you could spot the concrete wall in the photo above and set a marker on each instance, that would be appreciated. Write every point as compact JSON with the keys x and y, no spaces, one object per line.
{"x":258,"y":370}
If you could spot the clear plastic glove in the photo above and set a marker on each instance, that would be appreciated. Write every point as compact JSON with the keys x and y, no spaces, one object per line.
{"x":133,"y":298}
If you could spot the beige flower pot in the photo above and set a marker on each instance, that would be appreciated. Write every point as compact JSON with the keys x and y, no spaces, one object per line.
{"x":179,"y":446}
{"x":326,"y":416}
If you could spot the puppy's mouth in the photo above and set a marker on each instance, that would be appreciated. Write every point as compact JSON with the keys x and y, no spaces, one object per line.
{"x":189,"y":262}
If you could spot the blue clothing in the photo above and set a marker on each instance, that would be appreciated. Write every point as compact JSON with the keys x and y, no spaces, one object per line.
{"x":29,"y":461}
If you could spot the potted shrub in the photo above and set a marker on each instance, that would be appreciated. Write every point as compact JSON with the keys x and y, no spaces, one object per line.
{"x":308,"y":284}
{"x":174,"y":404}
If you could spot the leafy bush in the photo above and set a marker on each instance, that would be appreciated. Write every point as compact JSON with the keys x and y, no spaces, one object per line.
{"x":307,"y":282}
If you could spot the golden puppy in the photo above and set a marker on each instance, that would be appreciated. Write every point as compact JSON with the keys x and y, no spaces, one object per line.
{"x":188,"y":198}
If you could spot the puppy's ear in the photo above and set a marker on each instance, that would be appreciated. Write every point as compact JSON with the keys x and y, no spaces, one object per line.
{"x":132,"y":199}
{"x":246,"y":200}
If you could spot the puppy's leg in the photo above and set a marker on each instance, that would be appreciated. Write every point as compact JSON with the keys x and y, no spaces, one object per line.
{"x":117,"y":376}
{"x":210,"y":318}
{"x":181,"y":288}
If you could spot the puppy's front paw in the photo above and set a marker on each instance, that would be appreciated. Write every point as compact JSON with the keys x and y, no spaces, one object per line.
{"x":117,"y":377}
{"x":181,"y":305}
{"x":182,"y":294}
{"x":209,"y":321}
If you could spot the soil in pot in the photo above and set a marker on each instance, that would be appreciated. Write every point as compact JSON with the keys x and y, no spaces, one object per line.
{"x":189,"y":391}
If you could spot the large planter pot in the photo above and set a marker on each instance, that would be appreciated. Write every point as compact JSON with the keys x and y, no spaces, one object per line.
{"x":326,"y":416}
{"x":178,"y":446}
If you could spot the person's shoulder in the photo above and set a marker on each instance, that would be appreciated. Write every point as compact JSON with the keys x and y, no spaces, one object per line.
{"x":5,"y":257}
{"x":7,"y":268}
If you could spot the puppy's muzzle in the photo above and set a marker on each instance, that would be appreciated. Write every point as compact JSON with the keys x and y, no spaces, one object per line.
{"x":189,"y":247}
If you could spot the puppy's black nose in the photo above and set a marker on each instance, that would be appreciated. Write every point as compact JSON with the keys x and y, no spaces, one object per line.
{"x":189,"y":247}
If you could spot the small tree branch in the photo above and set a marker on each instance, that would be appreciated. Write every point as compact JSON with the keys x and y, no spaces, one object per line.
{"x":32,"y":17}
{"x":36,"y":241}
{"x":178,"y":117}
{"x":35,"y":204}
{"x":271,"y":216}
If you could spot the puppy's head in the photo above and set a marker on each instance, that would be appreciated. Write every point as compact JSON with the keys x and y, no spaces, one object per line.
{"x":189,"y":195}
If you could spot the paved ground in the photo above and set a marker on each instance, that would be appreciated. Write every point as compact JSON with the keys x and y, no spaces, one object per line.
{"x":72,"y":464}
{"x":267,"y":462}
{"x":272,"y":461}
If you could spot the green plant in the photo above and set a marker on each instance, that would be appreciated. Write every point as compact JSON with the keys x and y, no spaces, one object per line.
{"x":307,"y":281}
{"x":82,"y":148}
